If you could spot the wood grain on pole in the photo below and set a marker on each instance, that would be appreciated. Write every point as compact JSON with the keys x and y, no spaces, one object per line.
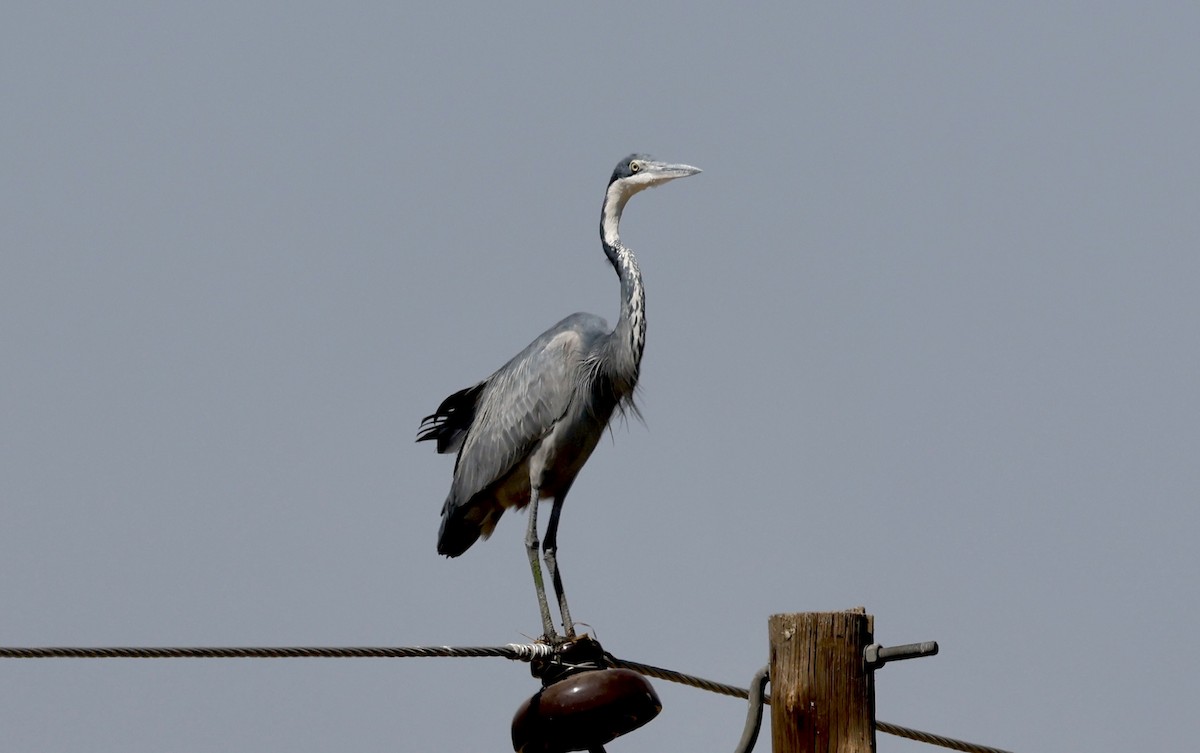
{"x":822,"y":697}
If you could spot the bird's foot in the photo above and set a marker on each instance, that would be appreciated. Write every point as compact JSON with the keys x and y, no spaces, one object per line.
{"x":570,"y":656}
{"x":552,"y":638}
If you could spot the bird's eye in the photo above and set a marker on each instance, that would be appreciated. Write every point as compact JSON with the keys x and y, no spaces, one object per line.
{"x":635,"y":166}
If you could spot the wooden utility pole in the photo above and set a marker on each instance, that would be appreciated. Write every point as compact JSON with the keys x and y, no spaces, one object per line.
{"x":822,"y":695}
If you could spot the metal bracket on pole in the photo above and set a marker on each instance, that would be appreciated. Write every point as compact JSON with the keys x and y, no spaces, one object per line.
{"x":875,"y":656}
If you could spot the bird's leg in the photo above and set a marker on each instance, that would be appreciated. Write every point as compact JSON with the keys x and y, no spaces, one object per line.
{"x":550,"y":549}
{"x":531,"y":546}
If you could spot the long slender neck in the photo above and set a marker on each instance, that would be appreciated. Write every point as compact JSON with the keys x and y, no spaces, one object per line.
{"x":628,"y":339}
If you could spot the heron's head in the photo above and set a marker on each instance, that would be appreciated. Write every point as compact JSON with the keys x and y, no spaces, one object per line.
{"x":638,"y":172}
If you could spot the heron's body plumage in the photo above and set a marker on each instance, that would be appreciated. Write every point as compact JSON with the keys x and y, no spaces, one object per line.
{"x":542,"y":412}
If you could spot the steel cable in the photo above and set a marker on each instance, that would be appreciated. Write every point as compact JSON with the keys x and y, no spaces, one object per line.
{"x":514,"y":651}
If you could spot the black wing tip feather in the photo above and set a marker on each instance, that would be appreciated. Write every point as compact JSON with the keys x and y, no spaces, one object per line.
{"x":451,"y":420}
{"x":457,"y":534}
{"x":429,"y":428}
{"x":452,"y":549}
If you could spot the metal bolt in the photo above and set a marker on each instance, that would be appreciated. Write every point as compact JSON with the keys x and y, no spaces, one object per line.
{"x":875,"y":656}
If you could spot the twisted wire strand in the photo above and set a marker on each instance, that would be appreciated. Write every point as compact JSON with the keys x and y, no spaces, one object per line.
{"x":671,"y":675}
{"x":932,"y":739}
{"x":514,"y":651}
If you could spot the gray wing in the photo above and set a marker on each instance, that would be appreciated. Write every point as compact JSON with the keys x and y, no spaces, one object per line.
{"x":521,"y":403}
{"x":513,"y":410}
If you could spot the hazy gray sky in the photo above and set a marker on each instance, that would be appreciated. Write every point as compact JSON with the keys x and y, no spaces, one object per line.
{"x":923,"y":337}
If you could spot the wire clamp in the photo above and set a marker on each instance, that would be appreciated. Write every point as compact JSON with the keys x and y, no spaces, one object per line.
{"x":531,"y":651}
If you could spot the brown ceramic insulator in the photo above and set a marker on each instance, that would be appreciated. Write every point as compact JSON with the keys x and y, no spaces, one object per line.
{"x":583,"y":711}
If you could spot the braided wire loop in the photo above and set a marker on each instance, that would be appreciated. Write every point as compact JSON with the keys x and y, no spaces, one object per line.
{"x":736,"y":692}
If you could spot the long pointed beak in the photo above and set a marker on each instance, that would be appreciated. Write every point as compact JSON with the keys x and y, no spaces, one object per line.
{"x":671,"y":171}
